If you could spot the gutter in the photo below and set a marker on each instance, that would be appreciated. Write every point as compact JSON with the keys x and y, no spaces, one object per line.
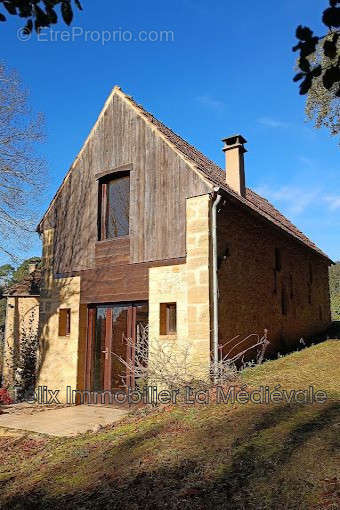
{"x":217,"y":198}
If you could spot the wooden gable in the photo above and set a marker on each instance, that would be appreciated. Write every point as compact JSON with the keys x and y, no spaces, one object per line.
{"x":161,"y":180}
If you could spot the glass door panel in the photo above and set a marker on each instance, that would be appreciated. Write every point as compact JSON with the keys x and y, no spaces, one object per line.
{"x":119,"y":344}
{"x":98,"y":359}
{"x":116,"y":332}
{"x":141,"y":344}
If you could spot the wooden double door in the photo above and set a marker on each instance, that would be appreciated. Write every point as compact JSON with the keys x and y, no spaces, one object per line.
{"x":117,"y":333}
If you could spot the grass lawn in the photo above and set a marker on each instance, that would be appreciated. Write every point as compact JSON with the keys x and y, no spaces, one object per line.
{"x":228,"y":456}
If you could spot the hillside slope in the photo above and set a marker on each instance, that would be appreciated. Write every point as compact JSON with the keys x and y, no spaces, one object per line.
{"x":217,"y":456}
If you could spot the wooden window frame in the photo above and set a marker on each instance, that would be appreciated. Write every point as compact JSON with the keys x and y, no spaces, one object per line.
{"x":164,"y":319}
{"x":103,"y":209}
{"x":64,"y":322}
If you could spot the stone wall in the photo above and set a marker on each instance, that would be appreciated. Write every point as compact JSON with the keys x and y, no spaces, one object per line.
{"x":58,"y":355}
{"x":22,"y":317}
{"x":252,"y":290}
{"x":188,"y":286}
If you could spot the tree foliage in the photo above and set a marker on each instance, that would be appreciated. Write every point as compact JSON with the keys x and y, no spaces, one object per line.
{"x":319,"y":70}
{"x":327,"y":68}
{"x":9,"y":275}
{"x":39,"y":13}
{"x":322,"y":105}
{"x":6,"y":275}
{"x":23,"y":173}
{"x":23,"y":269}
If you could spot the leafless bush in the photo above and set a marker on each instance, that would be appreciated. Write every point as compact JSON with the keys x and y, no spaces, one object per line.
{"x":228,"y":365}
{"x":160,"y":363}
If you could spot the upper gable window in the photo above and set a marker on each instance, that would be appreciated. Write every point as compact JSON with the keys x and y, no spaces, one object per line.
{"x":114,"y":206}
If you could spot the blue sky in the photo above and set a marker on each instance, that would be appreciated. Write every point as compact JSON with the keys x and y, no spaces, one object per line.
{"x":228,"y":69}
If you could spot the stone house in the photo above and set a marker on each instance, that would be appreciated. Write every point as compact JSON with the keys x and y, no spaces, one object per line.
{"x":22,"y":320}
{"x":146,"y":232}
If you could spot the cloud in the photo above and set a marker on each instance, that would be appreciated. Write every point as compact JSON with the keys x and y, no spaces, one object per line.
{"x":295,"y":200}
{"x":272,"y":123}
{"x":210,"y":102}
{"x":333,"y":202}
{"x":307,"y":161}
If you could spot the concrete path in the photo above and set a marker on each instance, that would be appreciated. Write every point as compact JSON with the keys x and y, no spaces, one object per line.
{"x":67,"y":421}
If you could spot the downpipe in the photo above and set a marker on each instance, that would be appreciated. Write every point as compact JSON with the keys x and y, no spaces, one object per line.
{"x":214,"y":279}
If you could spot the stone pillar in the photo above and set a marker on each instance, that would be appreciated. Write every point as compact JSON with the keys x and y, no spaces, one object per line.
{"x":198,"y":278}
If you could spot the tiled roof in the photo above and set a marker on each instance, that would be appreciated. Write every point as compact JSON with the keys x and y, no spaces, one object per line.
{"x":216,"y":176}
{"x":29,"y":286}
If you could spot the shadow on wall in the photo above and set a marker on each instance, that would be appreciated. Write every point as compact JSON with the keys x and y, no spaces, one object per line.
{"x":60,"y":294}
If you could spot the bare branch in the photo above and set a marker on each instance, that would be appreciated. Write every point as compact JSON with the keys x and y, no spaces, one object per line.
{"x":23,"y":173}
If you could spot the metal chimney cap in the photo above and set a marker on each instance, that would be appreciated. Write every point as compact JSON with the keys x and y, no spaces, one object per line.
{"x":234,"y":140}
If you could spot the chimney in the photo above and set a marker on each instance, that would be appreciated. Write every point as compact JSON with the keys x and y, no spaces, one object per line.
{"x":32,"y":267}
{"x":234,"y":162}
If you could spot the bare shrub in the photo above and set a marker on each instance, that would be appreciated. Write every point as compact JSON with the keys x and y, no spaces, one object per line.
{"x":228,"y":365}
{"x":159,"y":363}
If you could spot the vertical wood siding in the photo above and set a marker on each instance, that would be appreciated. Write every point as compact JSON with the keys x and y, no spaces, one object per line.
{"x":160,"y":183}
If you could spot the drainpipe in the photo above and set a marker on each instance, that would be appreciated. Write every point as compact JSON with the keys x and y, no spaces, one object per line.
{"x":214,"y":277}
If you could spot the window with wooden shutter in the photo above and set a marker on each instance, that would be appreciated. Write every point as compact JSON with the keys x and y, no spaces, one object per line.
{"x":168,"y":319}
{"x":64,"y":321}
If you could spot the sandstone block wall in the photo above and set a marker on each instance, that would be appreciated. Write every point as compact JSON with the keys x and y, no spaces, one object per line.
{"x":251,"y":289}
{"x":188,"y":286}
{"x":22,"y":318}
{"x":58,"y":355}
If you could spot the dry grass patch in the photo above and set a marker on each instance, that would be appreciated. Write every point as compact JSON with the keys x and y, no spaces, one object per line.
{"x":205,"y":457}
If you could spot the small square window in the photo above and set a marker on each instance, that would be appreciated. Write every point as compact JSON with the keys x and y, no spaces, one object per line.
{"x":64,"y":322}
{"x":168,"y":319}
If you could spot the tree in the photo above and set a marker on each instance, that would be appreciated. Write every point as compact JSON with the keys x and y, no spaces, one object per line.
{"x":322,"y":105}
{"x":39,"y":13}
{"x":6,"y":275}
{"x":10,"y":275}
{"x":319,"y":69}
{"x":22,"y":171}
{"x":23,"y":269}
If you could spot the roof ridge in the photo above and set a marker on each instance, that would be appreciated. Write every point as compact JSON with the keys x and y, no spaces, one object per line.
{"x":205,"y":167}
{"x":217,"y":176}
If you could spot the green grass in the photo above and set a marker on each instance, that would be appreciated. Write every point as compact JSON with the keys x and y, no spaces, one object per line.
{"x":227,"y":456}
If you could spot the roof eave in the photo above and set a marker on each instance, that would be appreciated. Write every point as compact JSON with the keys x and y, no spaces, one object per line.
{"x":245,"y":204}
